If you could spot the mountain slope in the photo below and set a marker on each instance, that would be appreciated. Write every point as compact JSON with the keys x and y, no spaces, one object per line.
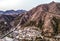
{"x":45,"y":16}
{"x":6,"y":19}
{"x":41,"y":23}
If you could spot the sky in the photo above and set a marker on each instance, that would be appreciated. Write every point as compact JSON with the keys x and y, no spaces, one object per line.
{"x":22,"y":4}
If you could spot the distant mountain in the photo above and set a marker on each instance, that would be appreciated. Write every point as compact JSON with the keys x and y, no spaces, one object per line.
{"x":11,"y":12}
{"x":1,"y":12}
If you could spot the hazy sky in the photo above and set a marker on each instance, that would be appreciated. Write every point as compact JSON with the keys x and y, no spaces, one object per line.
{"x":21,"y":4}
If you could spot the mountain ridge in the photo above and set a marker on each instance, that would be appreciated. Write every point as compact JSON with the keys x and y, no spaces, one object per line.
{"x":43,"y":16}
{"x":11,"y":12}
{"x":41,"y":22}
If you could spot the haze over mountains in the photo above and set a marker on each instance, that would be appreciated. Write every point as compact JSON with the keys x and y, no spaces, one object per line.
{"x":11,"y":12}
{"x":41,"y":22}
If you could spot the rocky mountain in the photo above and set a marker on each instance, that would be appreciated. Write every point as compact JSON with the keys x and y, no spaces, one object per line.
{"x":41,"y":23}
{"x":6,"y":18}
{"x":46,"y":17}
